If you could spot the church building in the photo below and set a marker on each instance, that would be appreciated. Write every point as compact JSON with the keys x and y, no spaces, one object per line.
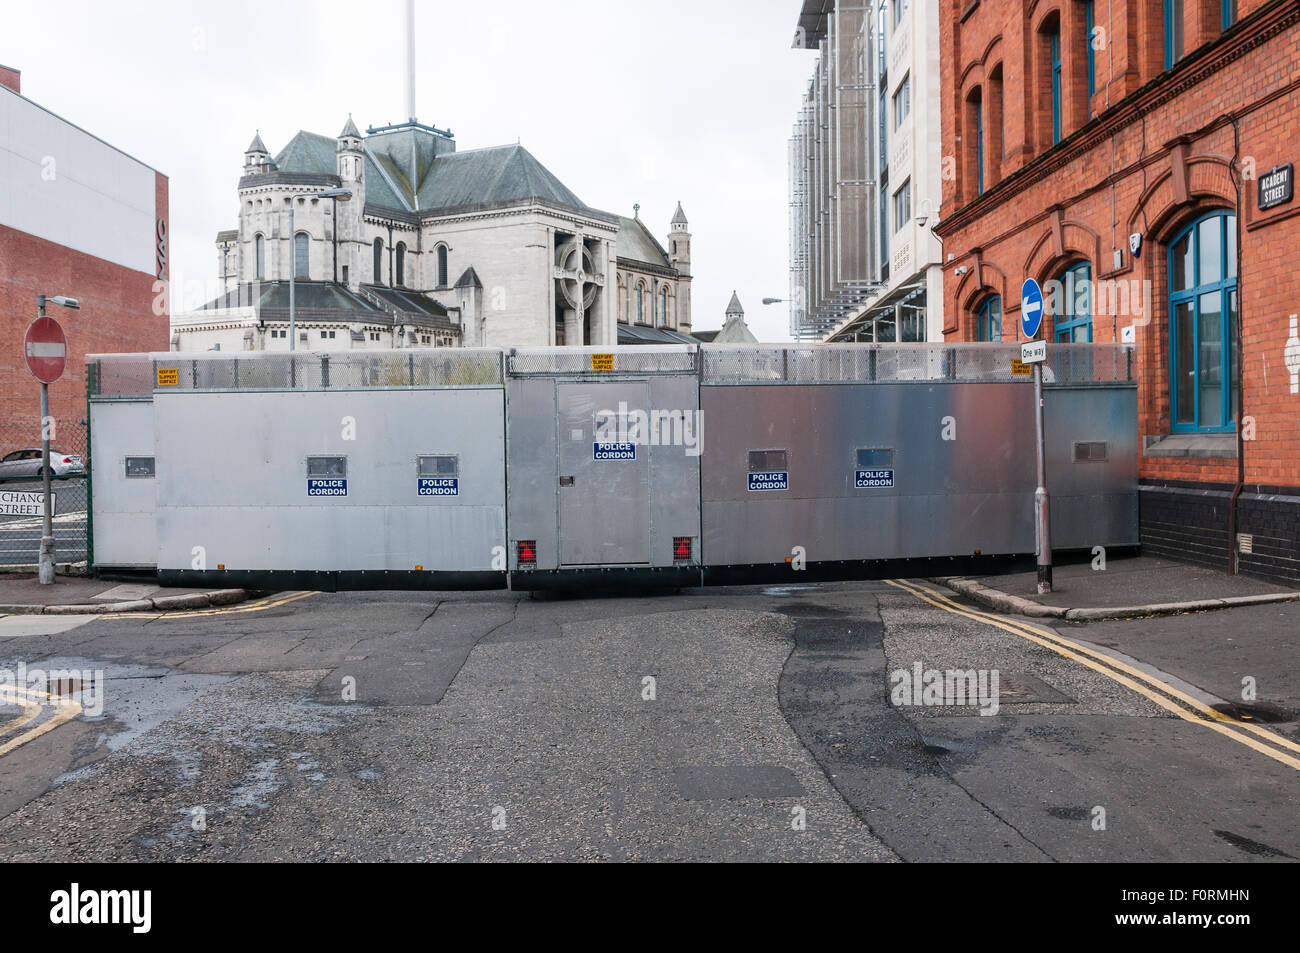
{"x":396,"y":238}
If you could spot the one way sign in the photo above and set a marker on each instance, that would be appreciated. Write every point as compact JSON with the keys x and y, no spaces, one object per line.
{"x":1031,"y":307}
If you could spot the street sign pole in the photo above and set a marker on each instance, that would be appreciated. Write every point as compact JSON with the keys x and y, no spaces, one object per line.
{"x":1042,"y":510}
{"x":45,"y":569}
{"x":1031,"y":320}
{"x":46,"y":350}
{"x":45,"y":561}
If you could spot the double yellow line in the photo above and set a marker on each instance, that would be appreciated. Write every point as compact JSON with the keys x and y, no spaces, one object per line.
{"x":270,"y":602}
{"x":1166,"y":696}
{"x":65,"y":711}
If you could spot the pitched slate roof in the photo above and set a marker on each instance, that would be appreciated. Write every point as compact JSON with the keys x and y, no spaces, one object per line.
{"x":442,"y":181}
{"x":635,"y":243}
{"x":324,"y":299}
{"x":735,"y":331}
{"x":640,"y":334}
{"x":350,"y":130}
{"x":275,"y":294}
{"x":469,"y":279}
{"x":679,"y":217}
{"x":411,"y":301}
{"x":256,"y":145}
{"x":733,"y":307}
{"x":494,"y":176}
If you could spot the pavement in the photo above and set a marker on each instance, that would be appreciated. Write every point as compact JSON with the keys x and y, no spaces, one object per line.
{"x":1128,"y":587}
{"x":23,"y":594}
{"x":741,"y":723}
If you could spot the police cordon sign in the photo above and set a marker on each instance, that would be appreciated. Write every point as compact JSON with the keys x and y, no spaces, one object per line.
{"x":769,"y":480}
{"x":613,"y":451}
{"x":1031,"y":308}
{"x":437,"y":486}
{"x":319,"y":487}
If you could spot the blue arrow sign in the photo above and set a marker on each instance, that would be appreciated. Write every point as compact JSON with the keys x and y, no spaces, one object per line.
{"x":1031,"y":307}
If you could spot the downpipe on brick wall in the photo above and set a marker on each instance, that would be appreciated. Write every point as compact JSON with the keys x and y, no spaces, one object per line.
{"x":1234,"y":550}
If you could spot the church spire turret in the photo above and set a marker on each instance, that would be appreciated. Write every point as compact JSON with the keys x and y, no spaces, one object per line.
{"x":256,"y":156}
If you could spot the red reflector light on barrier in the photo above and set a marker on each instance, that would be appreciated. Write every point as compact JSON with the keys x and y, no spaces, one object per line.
{"x":681,"y":547}
{"x":527,"y":549}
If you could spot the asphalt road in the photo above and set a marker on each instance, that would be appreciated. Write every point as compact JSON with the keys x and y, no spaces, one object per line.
{"x":20,"y":535}
{"x":750,"y":723}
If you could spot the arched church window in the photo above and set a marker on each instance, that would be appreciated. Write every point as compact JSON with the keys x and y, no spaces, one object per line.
{"x":663,"y":306}
{"x":640,"y":304}
{"x":259,"y":247}
{"x":442,"y":266}
{"x":401,"y":263}
{"x":379,"y":261}
{"x":300,"y":255}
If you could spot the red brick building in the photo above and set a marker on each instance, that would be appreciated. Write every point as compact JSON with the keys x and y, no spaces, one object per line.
{"x":80,"y":218}
{"x":1136,"y":157}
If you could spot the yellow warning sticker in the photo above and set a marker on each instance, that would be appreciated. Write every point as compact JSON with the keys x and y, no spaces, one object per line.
{"x":169,"y":377}
{"x":1020,"y":368}
{"x":602,"y":362}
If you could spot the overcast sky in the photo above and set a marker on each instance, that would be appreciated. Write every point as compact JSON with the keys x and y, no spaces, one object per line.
{"x":624,"y":101}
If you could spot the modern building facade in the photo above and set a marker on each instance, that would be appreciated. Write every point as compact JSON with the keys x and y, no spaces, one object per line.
{"x":80,"y":218}
{"x":1137,"y":159}
{"x":865,"y":170}
{"x":432,"y":247}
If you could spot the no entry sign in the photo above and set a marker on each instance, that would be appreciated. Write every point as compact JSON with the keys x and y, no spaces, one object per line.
{"x":45,"y":349}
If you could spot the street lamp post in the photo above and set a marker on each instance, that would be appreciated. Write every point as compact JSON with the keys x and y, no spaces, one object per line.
{"x":45,"y":561}
{"x":341,"y":195}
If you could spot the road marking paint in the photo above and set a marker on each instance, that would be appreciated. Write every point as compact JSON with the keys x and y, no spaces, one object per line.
{"x":270,"y":602}
{"x":1194,"y":703}
{"x":65,"y":711}
{"x":1071,"y":651}
{"x":30,"y":710}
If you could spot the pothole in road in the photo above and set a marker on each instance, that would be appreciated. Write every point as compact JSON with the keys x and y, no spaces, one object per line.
{"x":1255,"y":711}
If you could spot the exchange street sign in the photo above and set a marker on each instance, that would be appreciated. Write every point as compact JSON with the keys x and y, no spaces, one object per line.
{"x":1031,"y":307}
{"x":1276,"y":186}
{"x":23,"y":503}
{"x":45,"y":349}
{"x":1033,"y":352}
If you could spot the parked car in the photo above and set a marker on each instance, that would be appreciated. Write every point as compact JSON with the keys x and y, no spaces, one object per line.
{"x":27,"y":463}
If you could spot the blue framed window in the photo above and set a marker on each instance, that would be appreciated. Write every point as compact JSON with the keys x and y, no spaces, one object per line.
{"x":988,"y":323}
{"x":1054,"y":50}
{"x":1173,"y":32}
{"x":1229,"y":13}
{"x":1074,"y":320}
{"x":1202,"y":325}
{"x":979,"y":145}
{"x":900,"y":7}
{"x":1089,"y":24}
